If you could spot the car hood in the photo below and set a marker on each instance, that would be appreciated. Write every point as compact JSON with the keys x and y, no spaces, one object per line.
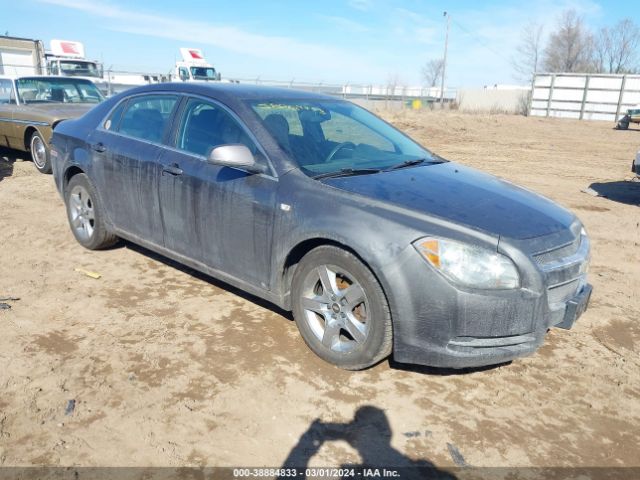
{"x":464,"y":196}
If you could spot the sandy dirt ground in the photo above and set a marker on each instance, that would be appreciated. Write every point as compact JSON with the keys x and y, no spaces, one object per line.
{"x":168,"y":367}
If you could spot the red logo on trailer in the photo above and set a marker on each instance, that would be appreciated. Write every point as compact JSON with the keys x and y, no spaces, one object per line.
{"x":196,"y":54}
{"x":68,"y":47}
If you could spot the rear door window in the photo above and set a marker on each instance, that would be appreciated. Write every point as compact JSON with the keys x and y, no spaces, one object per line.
{"x":147,"y":117}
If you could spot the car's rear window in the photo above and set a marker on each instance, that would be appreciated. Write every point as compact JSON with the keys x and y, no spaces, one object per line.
{"x":145,"y":117}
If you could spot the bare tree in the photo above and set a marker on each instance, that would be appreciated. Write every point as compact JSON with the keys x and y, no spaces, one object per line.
{"x":432,"y":71}
{"x":616,"y":48}
{"x":526,"y":60}
{"x":393,"y":81}
{"x":571,"y":47}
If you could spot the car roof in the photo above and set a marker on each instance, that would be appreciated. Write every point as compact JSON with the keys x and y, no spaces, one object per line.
{"x":231,"y":90}
{"x":49,"y":77}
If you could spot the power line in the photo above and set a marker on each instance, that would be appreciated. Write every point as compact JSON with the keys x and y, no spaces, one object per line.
{"x":480,"y":40}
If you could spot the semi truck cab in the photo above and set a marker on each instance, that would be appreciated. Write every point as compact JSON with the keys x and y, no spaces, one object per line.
{"x":194,"y":67}
{"x":66,"y":58}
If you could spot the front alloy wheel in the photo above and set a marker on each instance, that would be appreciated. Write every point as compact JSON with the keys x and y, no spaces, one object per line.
{"x":335,"y":308}
{"x":340,"y":309}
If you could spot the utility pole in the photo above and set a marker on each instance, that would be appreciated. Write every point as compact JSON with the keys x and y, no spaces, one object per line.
{"x":444,"y":61}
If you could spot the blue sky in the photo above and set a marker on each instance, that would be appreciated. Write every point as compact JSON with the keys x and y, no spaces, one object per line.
{"x":331,"y":41}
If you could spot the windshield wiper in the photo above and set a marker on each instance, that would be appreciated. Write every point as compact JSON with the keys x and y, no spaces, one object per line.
{"x":347,"y":172}
{"x":406,"y":163}
{"x":417,"y":161}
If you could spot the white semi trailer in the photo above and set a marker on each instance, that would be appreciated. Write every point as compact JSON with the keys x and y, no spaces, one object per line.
{"x":21,"y":56}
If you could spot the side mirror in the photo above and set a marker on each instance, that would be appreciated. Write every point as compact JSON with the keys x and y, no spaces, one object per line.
{"x":235,"y":156}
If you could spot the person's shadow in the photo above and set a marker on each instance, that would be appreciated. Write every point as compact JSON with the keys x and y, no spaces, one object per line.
{"x":370,"y":434}
{"x":620,"y":191}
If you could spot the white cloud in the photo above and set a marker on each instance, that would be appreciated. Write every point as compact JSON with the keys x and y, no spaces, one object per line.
{"x":345,"y":23}
{"x":362,"y":5}
{"x":414,"y":27}
{"x":482,"y":39}
{"x":306,"y":56}
{"x":410,"y":15}
{"x":426,"y":35}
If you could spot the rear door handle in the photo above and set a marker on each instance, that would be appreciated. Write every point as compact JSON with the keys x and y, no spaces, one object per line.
{"x":174,"y":170}
{"x":99,"y":147}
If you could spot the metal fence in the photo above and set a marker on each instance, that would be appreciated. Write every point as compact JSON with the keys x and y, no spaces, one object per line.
{"x":584,"y":96}
{"x":116,"y":81}
{"x":360,"y":91}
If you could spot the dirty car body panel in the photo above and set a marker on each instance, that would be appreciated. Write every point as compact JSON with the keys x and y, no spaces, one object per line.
{"x":250,"y":229}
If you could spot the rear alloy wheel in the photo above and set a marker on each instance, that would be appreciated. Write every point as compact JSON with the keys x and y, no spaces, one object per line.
{"x":340,"y":309}
{"x":40,"y":153}
{"x":85,"y":214}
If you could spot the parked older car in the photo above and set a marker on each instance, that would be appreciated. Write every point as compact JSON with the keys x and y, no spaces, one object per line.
{"x":317,"y":205}
{"x":30,"y":107}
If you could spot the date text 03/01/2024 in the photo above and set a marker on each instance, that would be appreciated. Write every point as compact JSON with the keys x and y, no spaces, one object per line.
{"x":315,"y":472}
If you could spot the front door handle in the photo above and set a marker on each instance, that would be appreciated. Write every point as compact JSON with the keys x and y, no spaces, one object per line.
{"x":99,"y":147}
{"x":174,"y":170}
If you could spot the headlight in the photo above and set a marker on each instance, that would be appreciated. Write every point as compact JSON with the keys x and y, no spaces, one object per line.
{"x":469,"y":265}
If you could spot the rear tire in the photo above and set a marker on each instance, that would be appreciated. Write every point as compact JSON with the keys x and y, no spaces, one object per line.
{"x":40,"y":153}
{"x":340,"y":309}
{"x":86,"y":214}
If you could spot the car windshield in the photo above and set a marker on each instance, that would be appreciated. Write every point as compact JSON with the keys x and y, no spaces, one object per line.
{"x":57,"y":90}
{"x":203,"y":73}
{"x":79,"y":69}
{"x":328,"y":136}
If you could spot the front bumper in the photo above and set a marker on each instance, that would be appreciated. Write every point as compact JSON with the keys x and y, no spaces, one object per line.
{"x":442,"y":325}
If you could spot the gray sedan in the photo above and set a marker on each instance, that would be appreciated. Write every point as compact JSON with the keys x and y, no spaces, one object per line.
{"x":377,"y":245}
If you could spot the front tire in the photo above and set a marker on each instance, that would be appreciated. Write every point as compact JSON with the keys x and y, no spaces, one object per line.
{"x":40,"y":153}
{"x":86,"y":215}
{"x":340,"y":309}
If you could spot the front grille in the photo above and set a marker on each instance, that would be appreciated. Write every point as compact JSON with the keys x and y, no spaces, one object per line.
{"x":563,"y":293}
{"x":558,"y":253}
{"x":564,"y":268}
